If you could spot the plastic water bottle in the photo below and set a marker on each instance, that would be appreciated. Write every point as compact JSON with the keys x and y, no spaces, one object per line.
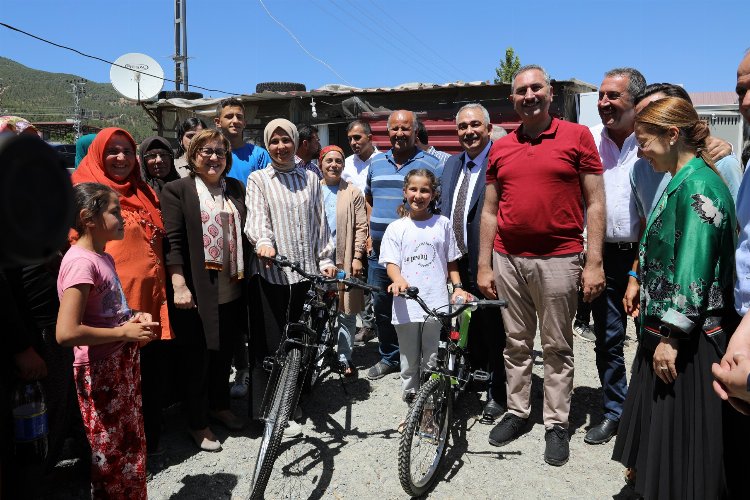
{"x":30,"y":423}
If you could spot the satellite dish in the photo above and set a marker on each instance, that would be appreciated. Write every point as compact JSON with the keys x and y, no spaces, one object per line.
{"x":128,"y":78}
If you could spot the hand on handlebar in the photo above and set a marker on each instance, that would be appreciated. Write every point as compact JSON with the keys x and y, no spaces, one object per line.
{"x":397,"y":287}
{"x":458,"y":292}
{"x":266,"y":253}
{"x":329,"y":272}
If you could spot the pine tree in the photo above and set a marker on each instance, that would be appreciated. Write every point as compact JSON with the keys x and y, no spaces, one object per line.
{"x":507,"y":67}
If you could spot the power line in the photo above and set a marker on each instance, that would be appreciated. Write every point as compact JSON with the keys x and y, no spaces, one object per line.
{"x":434,"y":70}
{"x":300,"y":44}
{"x":385,"y":13}
{"x":13,"y":28}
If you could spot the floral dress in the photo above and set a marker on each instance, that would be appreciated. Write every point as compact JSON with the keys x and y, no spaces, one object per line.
{"x":672,"y":433}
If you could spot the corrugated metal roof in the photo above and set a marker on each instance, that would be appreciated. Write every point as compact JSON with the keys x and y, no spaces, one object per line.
{"x":713,"y":98}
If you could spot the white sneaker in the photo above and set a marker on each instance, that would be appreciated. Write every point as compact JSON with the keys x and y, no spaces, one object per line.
{"x":241,"y":384}
{"x":293,"y":430}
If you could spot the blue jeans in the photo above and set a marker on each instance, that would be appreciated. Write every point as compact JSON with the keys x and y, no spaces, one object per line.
{"x":609,"y":326}
{"x":383,"y":305}
{"x":347,"y":328}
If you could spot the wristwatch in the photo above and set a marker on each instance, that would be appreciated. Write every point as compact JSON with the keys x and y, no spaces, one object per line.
{"x":458,"y":285}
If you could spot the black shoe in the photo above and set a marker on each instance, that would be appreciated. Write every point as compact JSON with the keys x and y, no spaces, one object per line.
{"x":602,"y":433}
{"x":492,"y":411}
{"x":557,"y":450}
{"x":509,"y":428}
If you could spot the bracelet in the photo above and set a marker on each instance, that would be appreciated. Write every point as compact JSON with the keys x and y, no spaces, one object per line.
{"x":458,"y":285}
{"x":634,"y":275}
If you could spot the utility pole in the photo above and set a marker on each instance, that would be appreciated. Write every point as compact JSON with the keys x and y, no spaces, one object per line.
{"x":180,"y":45}
{"x":78,"y":91}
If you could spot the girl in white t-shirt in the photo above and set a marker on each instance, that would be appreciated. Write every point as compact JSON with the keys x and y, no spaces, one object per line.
{"x":419,"y":249}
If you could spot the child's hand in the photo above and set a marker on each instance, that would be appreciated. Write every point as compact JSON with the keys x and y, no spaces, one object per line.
{"x":29,"y":365}
{"x":138,"y":331}
{"x":142,"y":317}
{"x":459,"y":292}
{"x":398,"y":286}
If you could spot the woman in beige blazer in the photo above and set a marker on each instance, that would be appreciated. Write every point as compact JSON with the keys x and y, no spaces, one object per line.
{"x":347,"y":220}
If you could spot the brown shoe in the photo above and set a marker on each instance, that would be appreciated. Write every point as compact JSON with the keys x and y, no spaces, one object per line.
{"x":364,"y":335}
{"x":206,"y":440}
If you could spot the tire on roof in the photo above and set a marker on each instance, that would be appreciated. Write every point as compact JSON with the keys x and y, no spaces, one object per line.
{"x":280,"y":87}
{"x":179,"y":94}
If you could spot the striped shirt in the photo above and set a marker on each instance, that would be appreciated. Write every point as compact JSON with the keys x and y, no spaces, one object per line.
{"x":442,"y":157}
{"x":311,"y":166}
{"x":385,"y":184}
{"x":285,"y":210}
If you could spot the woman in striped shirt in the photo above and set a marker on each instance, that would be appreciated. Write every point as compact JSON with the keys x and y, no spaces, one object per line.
{"x":286,"y":216}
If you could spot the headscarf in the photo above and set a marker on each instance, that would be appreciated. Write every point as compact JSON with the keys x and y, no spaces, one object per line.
{"x":147,"y":145}
{"x":82,"y":146}
{"x":328,"y":149}
{"x":291,"y":130}
{"x":133,"y":191}
{"x":17,"y":125}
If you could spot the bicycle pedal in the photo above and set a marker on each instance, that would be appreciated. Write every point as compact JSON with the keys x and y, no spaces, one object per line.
{"x":481,"y":376}
{"x":268,"y":364}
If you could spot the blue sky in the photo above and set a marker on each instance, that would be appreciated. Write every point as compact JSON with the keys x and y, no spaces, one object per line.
{"x":234,"y":44}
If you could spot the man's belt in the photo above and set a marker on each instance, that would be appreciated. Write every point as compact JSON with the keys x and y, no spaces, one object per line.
{"x":622,"y":245}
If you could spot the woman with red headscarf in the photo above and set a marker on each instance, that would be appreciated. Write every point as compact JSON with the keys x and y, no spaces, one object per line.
{"x":111,"y":160}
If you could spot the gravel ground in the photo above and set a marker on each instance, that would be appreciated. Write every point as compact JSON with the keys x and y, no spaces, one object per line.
{"x":349,"y":449}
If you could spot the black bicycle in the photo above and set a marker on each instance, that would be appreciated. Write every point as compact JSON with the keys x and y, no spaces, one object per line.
{"x":307,"y":347}
{"x":425,"y":434}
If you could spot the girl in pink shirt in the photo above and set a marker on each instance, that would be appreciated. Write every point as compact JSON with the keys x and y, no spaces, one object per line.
{"x":95,"y":319}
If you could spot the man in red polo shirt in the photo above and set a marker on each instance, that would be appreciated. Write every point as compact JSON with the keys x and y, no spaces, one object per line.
{"x":538,"y":179}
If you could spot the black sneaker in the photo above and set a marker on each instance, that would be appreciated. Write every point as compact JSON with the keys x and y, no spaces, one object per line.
{"x":557,"y":450}
{"x":509,"y":428}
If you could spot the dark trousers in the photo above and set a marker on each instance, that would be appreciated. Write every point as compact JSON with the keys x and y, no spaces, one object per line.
{"x":383,"y":305}
{"x":609,"y":326}
{"x":154,"y":369}
{"x":206,"y":372}
{"x":486,"y":339}
{"x":271,"y":307}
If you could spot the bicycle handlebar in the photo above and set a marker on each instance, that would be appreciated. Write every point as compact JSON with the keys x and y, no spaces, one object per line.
{"x":413,"y":293}
{"x":283,"y":261}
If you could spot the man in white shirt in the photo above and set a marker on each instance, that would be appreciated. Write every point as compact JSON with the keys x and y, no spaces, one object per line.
{"x":618,"y":150}
{"x":355,"y":171}
{"x":357,"y":165}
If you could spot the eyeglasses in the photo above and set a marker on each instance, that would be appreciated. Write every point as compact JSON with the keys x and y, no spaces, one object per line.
{"x":209,"y":152}
{"x":163,"y":154}
{"x":611,"y":95}
{"x":116,"y":152}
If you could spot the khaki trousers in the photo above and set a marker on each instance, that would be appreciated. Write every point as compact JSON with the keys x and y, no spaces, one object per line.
{"x":543,"y":287}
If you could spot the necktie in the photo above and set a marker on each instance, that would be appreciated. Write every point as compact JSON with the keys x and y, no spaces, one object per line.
{"x":459,"y":221}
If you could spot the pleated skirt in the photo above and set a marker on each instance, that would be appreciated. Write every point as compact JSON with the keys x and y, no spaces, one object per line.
{"x":672,"y":433}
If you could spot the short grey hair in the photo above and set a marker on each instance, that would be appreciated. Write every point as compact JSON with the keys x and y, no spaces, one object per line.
{"x":636,"y":81}
{"x":529,"y":67}
{"x":413,"y":118}
{"x":475,"y":105}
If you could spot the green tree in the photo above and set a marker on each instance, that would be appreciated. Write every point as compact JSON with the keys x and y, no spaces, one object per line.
{"x":507,"y":67}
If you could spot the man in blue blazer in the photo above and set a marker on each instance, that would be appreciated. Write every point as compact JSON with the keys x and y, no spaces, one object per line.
{"x":462,"y":198}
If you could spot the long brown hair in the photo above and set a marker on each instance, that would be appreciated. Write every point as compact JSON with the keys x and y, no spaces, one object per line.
{"x":668,"y":112}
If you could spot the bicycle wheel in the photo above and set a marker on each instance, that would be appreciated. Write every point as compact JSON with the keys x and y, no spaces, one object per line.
{"x":425,"y":436}
{"x":278,"y":417}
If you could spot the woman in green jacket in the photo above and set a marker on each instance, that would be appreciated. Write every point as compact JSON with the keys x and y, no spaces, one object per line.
{"x":671,"y":426}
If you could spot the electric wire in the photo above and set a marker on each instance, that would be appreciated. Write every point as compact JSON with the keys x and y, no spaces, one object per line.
{"x":96,"y":58}
{"x":438,"y":54}
{"x":300,"y":44}
{"x":352,"y":15}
